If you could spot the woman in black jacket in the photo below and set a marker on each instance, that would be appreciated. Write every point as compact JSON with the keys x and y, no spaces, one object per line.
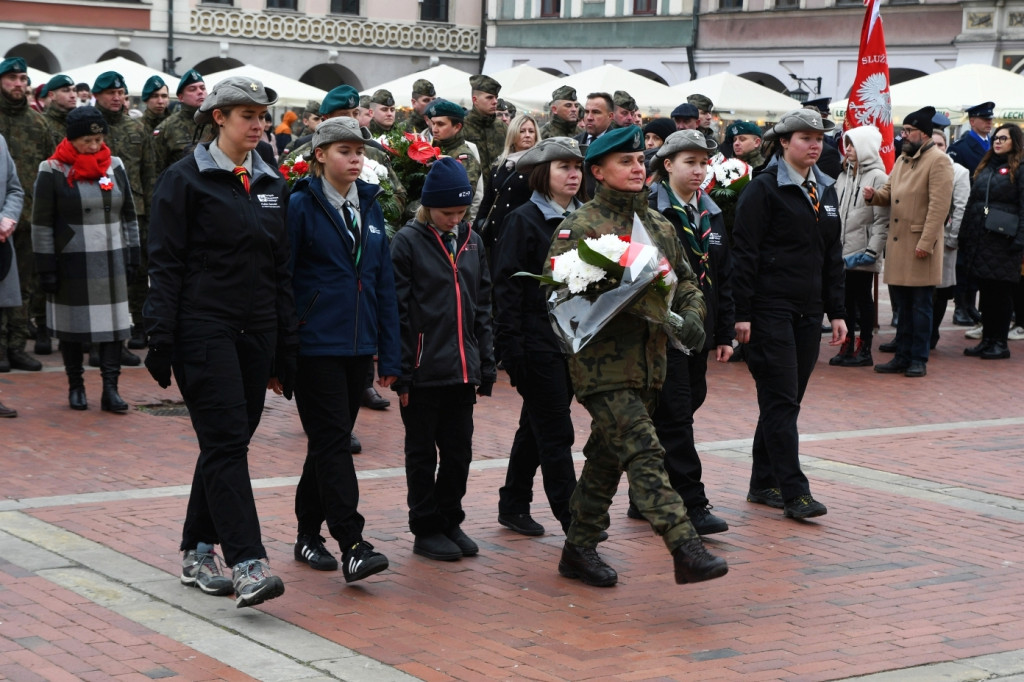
{"x":220,"y":302}
{"x":507,"y":187}
{"x":680,"y":167}
{"x":788,"y":271}
{"x":994,"y":258}
{"x":526,"y":342}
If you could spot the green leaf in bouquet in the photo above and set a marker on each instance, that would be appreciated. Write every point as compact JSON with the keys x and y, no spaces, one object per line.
{"x":592,"y":257}
{"x":543,"y":279}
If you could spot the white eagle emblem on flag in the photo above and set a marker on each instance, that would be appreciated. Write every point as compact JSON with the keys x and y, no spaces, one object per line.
{"x":873,"y":105}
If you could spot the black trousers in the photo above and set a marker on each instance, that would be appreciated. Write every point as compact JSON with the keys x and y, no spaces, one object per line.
{"x":222,"y":375}
{"x":781,"y":354}
{"x":996,"y":308}
{"x":438,"y":425}
{"x":544,"y":438}
{"x":684,"y":391}
{"x":860,"y":305}
{"x":327,"y":393}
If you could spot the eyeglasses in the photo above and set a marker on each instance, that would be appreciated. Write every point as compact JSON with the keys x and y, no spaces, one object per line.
{"x":909,"y":129}
{"x":1001,"y":138}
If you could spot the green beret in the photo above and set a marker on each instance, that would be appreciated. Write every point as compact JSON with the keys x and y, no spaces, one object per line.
{"x":191,"y":76}
{"x":153,"y":83}
{"x":108,"y":80}
{"x":626,"y":139}
{"x":384,"y":97}
{"x":744,"y":128}
{"x":625,"y":100}
{"x":442,"y":107}
{"x":702,"y":102}
{"x":564,"y":92}
{"x":423,"y":87}
{"x":56,"y":83}
{"x":13,"y":65}
{"x":341,"y":97}
{"x":485,"y":84}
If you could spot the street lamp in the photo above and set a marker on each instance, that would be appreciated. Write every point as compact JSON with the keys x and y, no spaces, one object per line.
{"x":800,"y":94}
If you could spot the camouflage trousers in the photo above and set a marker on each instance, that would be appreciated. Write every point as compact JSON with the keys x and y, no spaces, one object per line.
{"x":138,"y":288}
{"x":622,"y":438}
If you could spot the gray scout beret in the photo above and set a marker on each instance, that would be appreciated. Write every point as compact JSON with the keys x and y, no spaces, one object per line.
{"x":342,"y":129}
{"x":232,"y":91}
{"x":796,"y":121}
{"x":702,"y":102}
{"x":551,"y":149}
{"x":485,"y":84}
{"x":686,"y":140}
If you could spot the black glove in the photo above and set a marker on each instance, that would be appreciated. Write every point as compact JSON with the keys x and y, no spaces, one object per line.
{"x":286,"y":367}
{"x":158,"y":362}
{"x":48,"y":282}
{"x":129,"y":272}
{"x":485,"y":389}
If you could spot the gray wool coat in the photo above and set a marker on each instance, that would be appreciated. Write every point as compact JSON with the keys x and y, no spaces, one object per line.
{"x":89,"y":237}
{"x":12,"y":198}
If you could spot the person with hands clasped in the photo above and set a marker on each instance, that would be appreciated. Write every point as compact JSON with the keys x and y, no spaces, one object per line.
{"x":788,"y":271}
{"x":444,"y":311}
{"x":345,"y":289}
{"x":219,"y":314}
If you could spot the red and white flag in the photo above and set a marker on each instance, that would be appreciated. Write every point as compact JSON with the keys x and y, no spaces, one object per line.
{"x":869,"y":103}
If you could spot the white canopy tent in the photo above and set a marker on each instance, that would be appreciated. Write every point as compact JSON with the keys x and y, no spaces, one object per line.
{"x":449,"y":83}
{"x":952,"y":91}
{"x":135,"y":74}
{"x":38,"y":77}
{"x":735,"y":97}
{"x":520,"y":78}
{"x":290,"y":92}
{"x":653,"y":98}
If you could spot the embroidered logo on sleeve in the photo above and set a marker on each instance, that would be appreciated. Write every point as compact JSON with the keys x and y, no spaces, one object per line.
{"x":268,"y":200}
{"x":564,"y":234}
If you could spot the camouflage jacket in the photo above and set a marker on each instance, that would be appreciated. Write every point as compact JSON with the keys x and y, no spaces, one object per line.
{"x":488,"y":133}
{"x":129,"y":141}
{"x":457,"y":148}
{"x":629,"y":352}
{"x":376,"y":130}
{"x":558,"y":127}
{"x":29,"y":141}
{"x":175,"y":137}
{"x":416,"y":123}
{"x":57,"y":121}
{"x":153,"y":121}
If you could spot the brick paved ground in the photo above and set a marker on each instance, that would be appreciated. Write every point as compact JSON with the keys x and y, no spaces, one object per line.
{"x":917,"y":561}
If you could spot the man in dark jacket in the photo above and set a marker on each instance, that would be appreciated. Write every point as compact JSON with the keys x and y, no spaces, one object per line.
{"x":975,"y":143}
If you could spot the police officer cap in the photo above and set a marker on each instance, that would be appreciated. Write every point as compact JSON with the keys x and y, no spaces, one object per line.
{"x":623,"y":99}
{"x":565,"y":92}
{"x":702,"y":102}
{"x":442,"y":107}
{"x":485,"y":84}
{"x":983,"y":110}
{"x":799,"y":120}
{"x":13,"y":65}
{"x":56,"y":83}
{"x":423,"y":87}
{"x":921,"y":119}
{"x":625,"y":139}
{"x":551,"y":149}
{"x":940,"y":121}
{"x":686,"y":140}
{"x":341,"y":97}
{"x":662,"y":127}
{"x":191,"y":76}
{"x":744,"y":128}
{"x":821,"y":104}
{"x":685,"y":110}
{"x":234,"y":91}
{"x":153,"y":83}
{"x":109,"y":80}
{"x":384,"y":97}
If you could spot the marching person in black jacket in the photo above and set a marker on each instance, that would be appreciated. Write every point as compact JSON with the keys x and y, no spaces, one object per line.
{"x":680,"y":167}
{"x":788,"y":271}
{"x":220,"y":304}
{"x":526,"y":342}
{"x":444,"y":312}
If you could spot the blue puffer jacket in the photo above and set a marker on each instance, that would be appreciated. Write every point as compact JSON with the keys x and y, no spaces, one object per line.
{"x":346,"y":305}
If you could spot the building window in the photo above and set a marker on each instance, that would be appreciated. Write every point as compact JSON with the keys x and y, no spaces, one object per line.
{"x":345,"y":7}
{"x":787,"y":4}
{"x":227,"y":3}
{"x":644,"y":7}
{"x":283,"y":4}
{"x":551,"y":8}
{"x":731,"y":5}
{"x":434,"y":10}
{"x":849,"y":3}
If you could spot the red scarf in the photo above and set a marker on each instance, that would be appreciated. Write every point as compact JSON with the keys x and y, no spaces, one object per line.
{"x":88,"y":167}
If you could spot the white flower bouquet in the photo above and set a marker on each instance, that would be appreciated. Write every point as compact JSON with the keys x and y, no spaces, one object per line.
{"x":726,"y":178}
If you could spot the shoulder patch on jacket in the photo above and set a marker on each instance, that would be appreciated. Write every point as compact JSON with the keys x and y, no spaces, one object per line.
{"x":564,"y":234}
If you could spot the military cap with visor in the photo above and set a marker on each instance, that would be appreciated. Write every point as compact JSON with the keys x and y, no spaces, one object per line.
{"x":983,"y":110}
{"x":234,"y":91}
{"x":821,"y":104}
{"x":423,"y":87}
{"x":799,"y":120}
{"x":702,"y":102}
{"x":686,"y":141}
{"x":550,"y":149}
{"x":109,"y":80}
{"x":384,"y":97}
{"x":564,"y":92}
{"x":485,"y":84}
{"x":191,"y":76}
{"x":623,"y":99}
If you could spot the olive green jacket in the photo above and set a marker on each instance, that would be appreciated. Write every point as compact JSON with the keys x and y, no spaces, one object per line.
{"x":129,"y":140}
{"x":488,"y":134}
{"x":558,"y":127}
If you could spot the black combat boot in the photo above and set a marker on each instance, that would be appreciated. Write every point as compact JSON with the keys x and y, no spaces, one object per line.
{"x":585,"y":564}
{"x":862,"y":358}
{"x":845,"y":352}
{"x":694,"y":563}
{"x":72,"y":354}
{"x":984,"y":347}
{"x":110,"y":368}
{"x":43,"y":344}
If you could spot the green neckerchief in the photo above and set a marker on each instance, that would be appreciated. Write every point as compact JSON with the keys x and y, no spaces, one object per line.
{"x":698,"y":245}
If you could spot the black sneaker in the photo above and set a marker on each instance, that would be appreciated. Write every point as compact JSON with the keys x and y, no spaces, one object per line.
{"x":254,"y":584}
{"x":463,"y":541}
{"x":890,"y":347}
{"x":204,"y":571}
{"x":804,"y":507}
{"x":694,"y":563}
{"x":583,"y":563}
{"x":894,"y":366}
{"x":436,"y":546}
{"x":360,"y":561}
{"x":310,"y":549}
{"x":706,"y":523}
{"x":521,"y":523}
{"x":771,"y":497}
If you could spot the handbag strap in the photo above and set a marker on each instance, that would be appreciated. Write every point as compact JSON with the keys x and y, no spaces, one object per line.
{"x":987,"y":188}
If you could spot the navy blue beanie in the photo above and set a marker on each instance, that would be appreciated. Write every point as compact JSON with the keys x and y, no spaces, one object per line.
{"x":447,"y":185}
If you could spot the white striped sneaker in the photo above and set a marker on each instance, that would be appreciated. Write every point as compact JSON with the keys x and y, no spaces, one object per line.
{"x":360,"y":561}
{"x":310,"y":549}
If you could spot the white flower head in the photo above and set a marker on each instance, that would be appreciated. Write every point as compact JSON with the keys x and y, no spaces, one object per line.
{"x":371,"y":172}
{"x":609,"y":246}
{"x":576,"y":274}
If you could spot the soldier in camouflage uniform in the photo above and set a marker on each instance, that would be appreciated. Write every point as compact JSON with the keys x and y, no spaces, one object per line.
{"x":565,"y":114}
{"x":483,"y":128}
{"x":617,"y":376}
{"x":60,"y":91}
{"x":746,"y":142}
{"x":155,"y":95}
{"x":704,"y":108}
{"x":423,"y":94}
{"x":310,"y":120}
{"x":365,"y":112}
{"x":382,"y":105}
{"x":30,"y":143}
{"x":177,"y":135}
{"x":506,"y":111}
{"x":625,"y":109}
{"x":446,"y":124}
{"x":129,"y":140}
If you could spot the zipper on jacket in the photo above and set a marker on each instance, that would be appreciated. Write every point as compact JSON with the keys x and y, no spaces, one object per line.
{"x":458,"y":298}
{"x":419,"y":350}
{"x":357,"y":265}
